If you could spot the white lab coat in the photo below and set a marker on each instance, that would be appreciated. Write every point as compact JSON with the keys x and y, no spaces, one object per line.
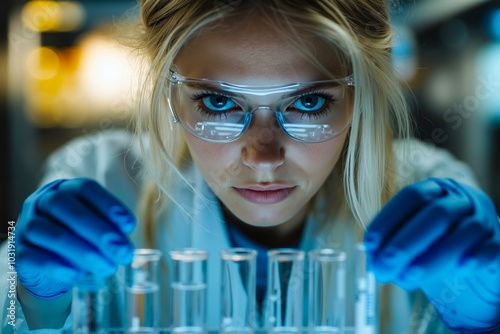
{"x":112,"y":158}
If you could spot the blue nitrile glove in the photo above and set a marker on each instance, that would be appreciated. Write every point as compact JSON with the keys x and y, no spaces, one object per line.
{"x":68,"y":228}
{"x":442,"y":237}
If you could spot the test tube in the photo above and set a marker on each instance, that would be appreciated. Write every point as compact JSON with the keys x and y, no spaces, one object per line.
{"x":327,"y":291}
{"x":143,"y":292}
{"x":366,"y":309}
{"x":189,"y":290}
{"x":285,"y":290}
{"x":90,"y":314}
{"x":237,"y":283}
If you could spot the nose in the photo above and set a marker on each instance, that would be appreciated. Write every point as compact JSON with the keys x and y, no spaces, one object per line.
{"x":263,"y":150}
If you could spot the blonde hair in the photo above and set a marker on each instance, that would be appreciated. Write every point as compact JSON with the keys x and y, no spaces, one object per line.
{"x":360,"y":29}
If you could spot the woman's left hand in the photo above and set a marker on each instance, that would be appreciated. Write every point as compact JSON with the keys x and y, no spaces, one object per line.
{"x":442,"y":237}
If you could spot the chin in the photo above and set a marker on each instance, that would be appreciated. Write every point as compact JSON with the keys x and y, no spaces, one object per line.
{"x":262,"y":218}
{"x":262,"y":224}
{"x":261,"y":215}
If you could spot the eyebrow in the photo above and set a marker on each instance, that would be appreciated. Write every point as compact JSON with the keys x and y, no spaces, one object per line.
{"x":312,"y":88}
{"x":209,"y":87}
{"x":214,"y":88}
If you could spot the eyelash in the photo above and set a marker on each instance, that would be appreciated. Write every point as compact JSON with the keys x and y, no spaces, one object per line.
{"x":201,"y":95}
{"x":329,"y":98}
{"x":310,"y":115}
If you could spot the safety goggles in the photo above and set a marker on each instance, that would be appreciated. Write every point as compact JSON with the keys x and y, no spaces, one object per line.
{"x":216,"y":111}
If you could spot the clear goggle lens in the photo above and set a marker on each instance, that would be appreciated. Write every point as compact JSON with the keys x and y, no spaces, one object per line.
{"x":220,"y":112}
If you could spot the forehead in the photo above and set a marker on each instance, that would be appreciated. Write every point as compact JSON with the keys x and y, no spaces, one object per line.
{"x":249,"y":51}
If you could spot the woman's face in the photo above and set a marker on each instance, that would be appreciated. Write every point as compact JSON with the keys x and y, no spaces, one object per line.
{"x":265,"y":178}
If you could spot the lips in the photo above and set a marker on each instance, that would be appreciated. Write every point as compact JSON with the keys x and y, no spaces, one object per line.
{"x":270,"y":194}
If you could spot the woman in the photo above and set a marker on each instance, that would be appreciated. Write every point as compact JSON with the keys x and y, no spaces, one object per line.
{"x":267,"y":124}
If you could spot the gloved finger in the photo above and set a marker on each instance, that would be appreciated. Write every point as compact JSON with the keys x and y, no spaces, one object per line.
{"x":59,"y":239}
{"x":485,"y":211}
{"x":49,"y":289}
{"x":483,"y":255}
{"x":419,"y":233}
{"x":486,"y":278}
{"x":51,"y":185}
{"x":443,"y":258}
{"x":29,"y":204}
{"x":42,"y":262}
{"x":398,"y":210}
{"x":102,"y":201}
{"x":84,"y":222}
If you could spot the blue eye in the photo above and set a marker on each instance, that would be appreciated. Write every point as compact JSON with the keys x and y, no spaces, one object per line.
{"x":309,"y":103}
{"x":218,"y":102}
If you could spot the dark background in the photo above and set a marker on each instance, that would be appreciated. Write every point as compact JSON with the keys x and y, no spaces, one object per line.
{"x":444,"y":57}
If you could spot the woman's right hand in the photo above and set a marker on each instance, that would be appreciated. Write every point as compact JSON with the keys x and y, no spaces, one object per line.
{"x":66,"y":229}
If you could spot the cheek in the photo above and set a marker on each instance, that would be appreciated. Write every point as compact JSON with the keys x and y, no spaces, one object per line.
{"x":318,"y":159}
{"x":204,"y":153}
{"x":213,"y":160}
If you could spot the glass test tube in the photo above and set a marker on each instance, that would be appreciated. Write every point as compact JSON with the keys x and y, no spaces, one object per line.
{"x":90,"y":314}
{"x":327,"y":287}
{"x":285,"y":290}
{"x":366,"y":309}
{"x":142,"y":279}
{"x":189,"y":290}
{"x":238,"y":281}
